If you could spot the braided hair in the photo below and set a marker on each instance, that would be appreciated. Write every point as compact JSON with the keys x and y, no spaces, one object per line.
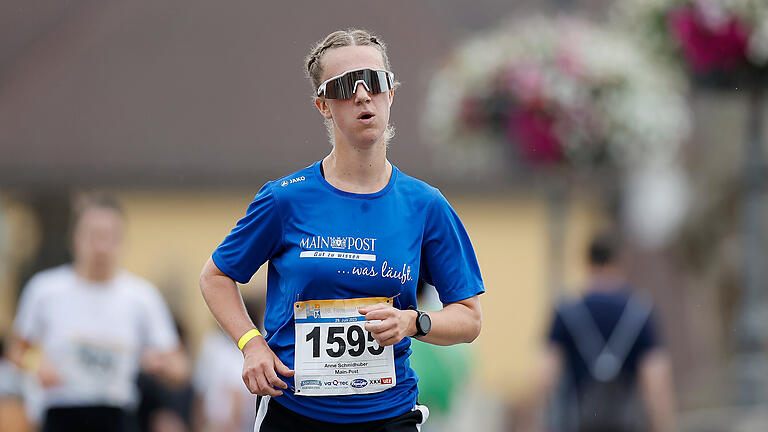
{"x":341,"y":38}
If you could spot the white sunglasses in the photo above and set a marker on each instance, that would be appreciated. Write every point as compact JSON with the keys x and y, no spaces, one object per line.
{"x":343,"y":86}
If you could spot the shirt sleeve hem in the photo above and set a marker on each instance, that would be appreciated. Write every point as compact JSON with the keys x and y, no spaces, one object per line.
{"x":465,"y":295}
{"x":227,"y":270}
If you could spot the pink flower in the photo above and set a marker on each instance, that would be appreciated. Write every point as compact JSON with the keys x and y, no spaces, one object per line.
{"x":526,"y":82}
{"x":569,"y":64}
{"x":472,"y":113}
{"x":533,"y":132}
{"x":709,"y":45}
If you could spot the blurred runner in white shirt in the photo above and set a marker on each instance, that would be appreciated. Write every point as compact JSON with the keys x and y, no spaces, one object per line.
{"x":85,"y":329}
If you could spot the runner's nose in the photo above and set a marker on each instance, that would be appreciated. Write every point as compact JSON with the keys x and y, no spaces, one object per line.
{"x":361,"y":93}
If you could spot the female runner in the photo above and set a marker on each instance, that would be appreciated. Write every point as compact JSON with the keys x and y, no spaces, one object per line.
{"x":346,"y":241}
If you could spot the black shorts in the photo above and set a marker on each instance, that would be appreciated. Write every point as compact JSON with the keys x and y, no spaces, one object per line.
{"x":88,"y":419}
{"x":273,"y":417}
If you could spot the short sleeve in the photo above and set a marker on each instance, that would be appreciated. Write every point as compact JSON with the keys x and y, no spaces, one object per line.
{"x":448,"y":261}
{"x":29,"y":323}
{"x":160,"y":330}
{"x":558,"y":334}
{"x":648,"y":339}
{"x":256,"y":238}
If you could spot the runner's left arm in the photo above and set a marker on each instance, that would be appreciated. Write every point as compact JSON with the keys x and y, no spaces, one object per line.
{"x":172,"y":367}
{"x":163,"y":356}
{"x":457,"y":322}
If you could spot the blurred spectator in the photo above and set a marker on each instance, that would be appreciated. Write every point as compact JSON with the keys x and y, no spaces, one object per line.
{"x":606,"y":344}
{"x":224,"y":403}
{"x":84,"y":329}
{"x":443,"y":370}
{"x":13,"y":418}
{"x":163,"y":407}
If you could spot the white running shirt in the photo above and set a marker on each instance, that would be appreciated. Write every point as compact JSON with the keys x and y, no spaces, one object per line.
{"x":218,"y":378}
{"x":93,"y":333}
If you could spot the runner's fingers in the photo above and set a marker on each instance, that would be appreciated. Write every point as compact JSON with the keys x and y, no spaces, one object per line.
{"x":265,"y":389}
{"x":390,"y":341}
{"x":385,"y":336}
{"x":379,"y":314}
{"x":380,"y":326}
{"x":250,"y":383}
{"x":377,"y":306}
{"x":274,"y":380}
{"x":282,"y":369}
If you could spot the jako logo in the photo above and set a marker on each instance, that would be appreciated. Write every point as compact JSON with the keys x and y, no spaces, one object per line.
{"x":359,"y":383}
{"x":292,"y":181}
{"x":311,"y":383}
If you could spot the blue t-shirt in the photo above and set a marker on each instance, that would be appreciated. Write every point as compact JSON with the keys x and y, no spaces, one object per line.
{"x":408,"y":227}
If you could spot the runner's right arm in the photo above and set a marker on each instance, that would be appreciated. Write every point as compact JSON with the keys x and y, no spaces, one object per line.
{"x":260,"y":364}
{"x":655,"y":380}
{"x":22,"y":353}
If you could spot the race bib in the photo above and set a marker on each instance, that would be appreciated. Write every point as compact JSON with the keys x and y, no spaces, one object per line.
{"x":95,"y":370}
{"x":335,"y":355}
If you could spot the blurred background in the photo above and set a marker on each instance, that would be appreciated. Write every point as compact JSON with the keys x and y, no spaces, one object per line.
{"x":183,"y":109}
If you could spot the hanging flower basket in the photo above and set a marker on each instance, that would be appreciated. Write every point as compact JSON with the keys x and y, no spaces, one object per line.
{"x":719,"y":42}
{"x":555,"y":93}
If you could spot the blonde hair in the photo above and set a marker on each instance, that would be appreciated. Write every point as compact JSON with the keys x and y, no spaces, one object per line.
{"x":342,"y":38}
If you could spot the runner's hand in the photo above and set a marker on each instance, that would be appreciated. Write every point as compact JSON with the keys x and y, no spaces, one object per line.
{"x":394,"y":324}
{"x":47,"y":375}
{"x":260,"y":369}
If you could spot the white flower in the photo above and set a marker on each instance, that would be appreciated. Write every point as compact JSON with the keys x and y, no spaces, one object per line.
{"x":758,"y":42}
{"x":608,"y":91}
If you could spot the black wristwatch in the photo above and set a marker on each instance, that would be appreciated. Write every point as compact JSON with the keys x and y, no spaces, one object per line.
{"x":423,"y":322}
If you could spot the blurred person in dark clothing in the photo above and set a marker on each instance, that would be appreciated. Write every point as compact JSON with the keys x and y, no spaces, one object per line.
{"x":85,"y":328}
{"x":165,"y":407}
{"x":607,"y":344}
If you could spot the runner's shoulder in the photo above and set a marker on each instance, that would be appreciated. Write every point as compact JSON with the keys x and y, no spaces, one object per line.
{"x":52,"y":279}
{"x":295,"y":182}
{"x":136,"y":285}
{"x":417,"y":189}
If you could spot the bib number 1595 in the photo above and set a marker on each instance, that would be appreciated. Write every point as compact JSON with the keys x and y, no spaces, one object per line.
{"x":354,"y":341}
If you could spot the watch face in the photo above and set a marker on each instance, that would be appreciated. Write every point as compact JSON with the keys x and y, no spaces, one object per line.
{"x":425,"y":323}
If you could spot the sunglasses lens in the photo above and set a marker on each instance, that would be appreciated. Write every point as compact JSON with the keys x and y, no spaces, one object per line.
{"x":333,"y":90}
{"x":344,"y":87}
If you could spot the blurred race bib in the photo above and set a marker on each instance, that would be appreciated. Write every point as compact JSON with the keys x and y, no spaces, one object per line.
{"x":96,"y":371}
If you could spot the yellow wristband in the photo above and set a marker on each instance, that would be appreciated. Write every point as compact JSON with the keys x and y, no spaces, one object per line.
{"x":31,"y":360}
{"x":250,"y":334}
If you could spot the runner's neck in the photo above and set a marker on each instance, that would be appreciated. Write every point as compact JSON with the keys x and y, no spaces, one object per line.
{"x":96,"y":275}
{"x":357,"y":173}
